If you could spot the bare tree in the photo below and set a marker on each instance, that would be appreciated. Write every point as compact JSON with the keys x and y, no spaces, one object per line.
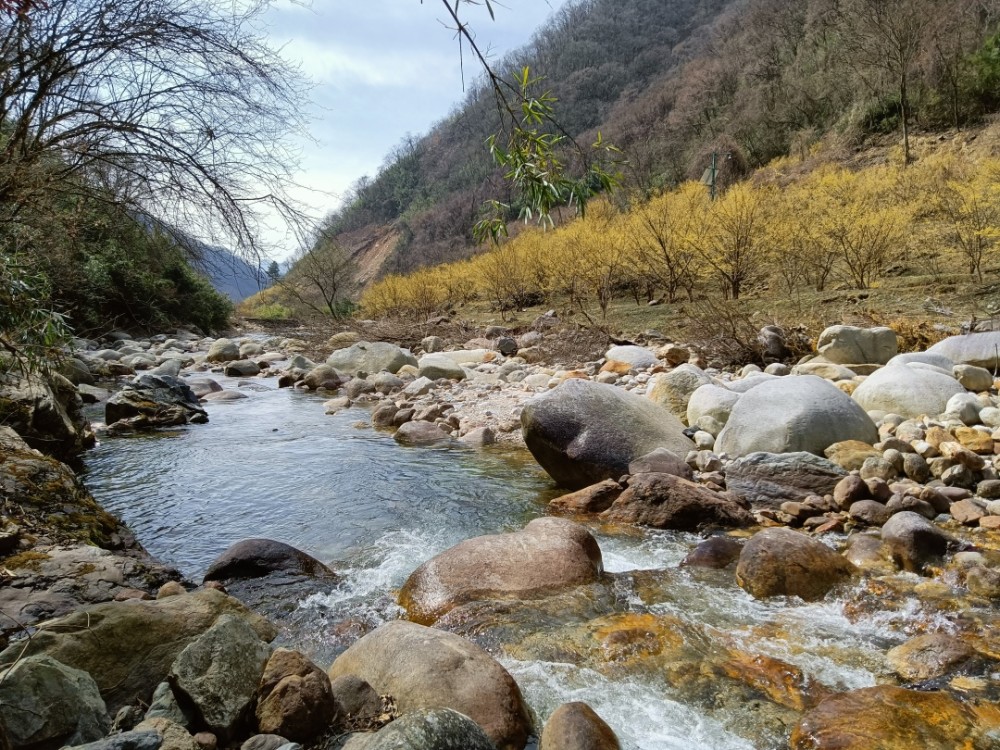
{"x":327,"y":268}
{"x":176,"y":108}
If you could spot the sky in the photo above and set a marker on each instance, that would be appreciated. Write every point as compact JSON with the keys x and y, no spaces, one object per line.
{"x":380,"y":69}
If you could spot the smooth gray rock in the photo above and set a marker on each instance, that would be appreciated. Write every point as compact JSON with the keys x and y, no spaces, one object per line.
{"x":583,"y":432}
{"x":420,"y":433}
{"x":437,"y":366}
{"x":636,"y":357}
{"x":711,"y":400}
{"x":48,"y":704}
{"x":164,"y":705}
{"x":922,"y":358}
{"x":219,"y":673}
{"x":907,"y":390}
{"x":850,"y":345}
{"x":769,"y":479}
{"x":155,"y":401}
{"x":223,"y":350}
{"x":371,"y":357}
{"x":435,"y":729}
{"x":243,"y":368}
{"x":323,"y":376}
{"x":672,"y":390}
{"x":979,"y":349}
{"x":788,"y":415}
{"x":125,"y":741}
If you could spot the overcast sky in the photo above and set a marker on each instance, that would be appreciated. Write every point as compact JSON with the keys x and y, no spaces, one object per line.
{"x":381,"y":69}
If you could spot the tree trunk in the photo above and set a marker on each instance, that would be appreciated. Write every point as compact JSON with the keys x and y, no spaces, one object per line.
{"x":904,"y":107}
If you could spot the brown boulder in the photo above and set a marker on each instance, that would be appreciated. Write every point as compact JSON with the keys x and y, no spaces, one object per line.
{"x":782,"y":562}
{"x":576,"y":726}
{"x":427,"y":668}
{"x":716,"y":552}
{"x":851,"y":454}
{"x":547,"y":555}
{"x":928,"y":656}
{"x":593,"y":499}
{"x":294,"y":699}
{"x":891,"y":718}
{"x":665,"y":501}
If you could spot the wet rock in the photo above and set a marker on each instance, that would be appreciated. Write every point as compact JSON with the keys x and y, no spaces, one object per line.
{"x":357,"y":703}
{"x":325,"y":377}
{"x":371,"y":357}
{"x":151,"y":401}
{"x":664,"y":501}
{"x":769,"y":479}
{"x":782,"y":562}
{"x":479,"y":437}
{"x":583,"y":432}
{"x":219,"y":672}
{"x":201,"y":387}
{"x":576,"y":726}
{"x":913,"y":540}
{"x":419,"y":433}
{"x":868,"y":552}
{"x":434,"y":729}
{"x":984,"y":582}
{"x":907,"y":390}
{"x":847,"y":345}
{"x":47,"y":704}
{"x":929,"y":656}
{"x":716,"y":552}
{"x":46,"y":411}
{"x":425,"y":668}
{"x":783,"y":683}
{"x":148,"y":636}
{"x":870,"y":513}
{"x":594,"y":499}
{"x":673,"y":390}
{"x":888,"y":718}
{"x":254,"y":558}
{"x":549,"y":554}
{"x":242,"y":369}
{"x":146,"y":740}
{"x":294,"y":699}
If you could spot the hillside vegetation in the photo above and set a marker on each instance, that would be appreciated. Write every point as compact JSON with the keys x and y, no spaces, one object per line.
{"x":672,"y":83}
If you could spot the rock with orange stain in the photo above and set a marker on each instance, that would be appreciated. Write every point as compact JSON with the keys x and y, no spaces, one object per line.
{"x":892,"y":718}
{"x":783,"y":683}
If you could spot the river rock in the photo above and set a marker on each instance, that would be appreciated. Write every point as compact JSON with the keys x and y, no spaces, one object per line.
{"x":549,"y":554}
{"x":294,"y":699}
{"x":576,"y":726}
{"x":172,"y":736}
{"x":242,"y":369}
{"x":664,"y":501}
{"x":434,"y":729}
{"x":342,"y":340}
{"x":46,"y":411}
{"x":371,"y":357}
{"x":713,"y":401}
{"x":633,"y":357}
{"x":47,"y":704}
{"x":914,"y":541}
{"x":148,"y":636}
{"x":672,"y":390}
{"x":593,"y":499}
{"x":223,"y":350}
{"x":661,"y":461}
{"x":789,"y":415}
{"x":425,"y":668}
{"x":155,"y":401}
{"x":419,"y":433}
{"x":886,"y":717}
{"x":323,"y":376}
{"x":769,"y":479}
{"x":201,"y":387}
{"x":782,"y":562}
{"x":219,"y":672}
{"x":929,"y":656}
{"x":715,"y":552}
{"x":440,"y":366}
{"x":583,"y":432}
{"x":253,"y":558}
{"x":907,"y":390}
{"x":132,"y":740}
{"x":978,"y":349}
{"x":974,"y":378}
{"x":847,"y":345}
{"x":164,"y":705}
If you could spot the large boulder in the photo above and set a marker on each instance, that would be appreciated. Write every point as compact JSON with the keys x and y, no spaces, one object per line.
{"x":323,"y":376}
{"x":914,"y":541}
{"x":583,"y":432}
{"x":219,"y":671}
{"x":255,"y":558}
{"x":549,"y":554}
{"x":849,"y":345}
{"x":713,"y":401}
{"x":788,"y":415}
{"x":769,"y":479}
{"x":633,"y":357}
{"x":436,"y":366}
{"x":146,"y":635}
{"x":576,"y":726}
{"x":223,"y":350}
{"x":672,"y":390}
{"x":929,"y":656}
{"x":155,"y":401}
{"x":47,"y":704}
{"x":979,"y":349}
{"x":425,"y":668}
{"x":783,"y":562}
{"x":45,"y":410}
{"x":434,"y":729}
{"x":908,"y":390}
{"x":371,"y":357}
{"x":886,"y":717}
{"x":294,"y":699}
{"x":665,"y":501}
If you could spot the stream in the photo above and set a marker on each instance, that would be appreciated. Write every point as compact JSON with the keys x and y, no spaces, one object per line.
{"x":670,"y":657}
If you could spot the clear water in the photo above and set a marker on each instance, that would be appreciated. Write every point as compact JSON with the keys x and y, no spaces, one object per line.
{"x":275,"y":465}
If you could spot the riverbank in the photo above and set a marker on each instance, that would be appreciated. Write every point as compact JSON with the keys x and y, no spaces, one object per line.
{"x":893,"y":495}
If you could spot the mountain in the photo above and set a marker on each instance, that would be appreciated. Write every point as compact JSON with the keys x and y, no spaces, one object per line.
{"x":228,"y":273}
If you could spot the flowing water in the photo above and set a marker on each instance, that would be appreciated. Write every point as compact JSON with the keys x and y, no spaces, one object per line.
{"x":656,"y":653}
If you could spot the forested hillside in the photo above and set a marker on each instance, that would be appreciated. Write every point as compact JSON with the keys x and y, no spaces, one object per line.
{"x":671,"y":82}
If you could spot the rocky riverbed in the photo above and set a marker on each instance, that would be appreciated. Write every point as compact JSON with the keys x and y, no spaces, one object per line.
{"x":862,"y":479}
